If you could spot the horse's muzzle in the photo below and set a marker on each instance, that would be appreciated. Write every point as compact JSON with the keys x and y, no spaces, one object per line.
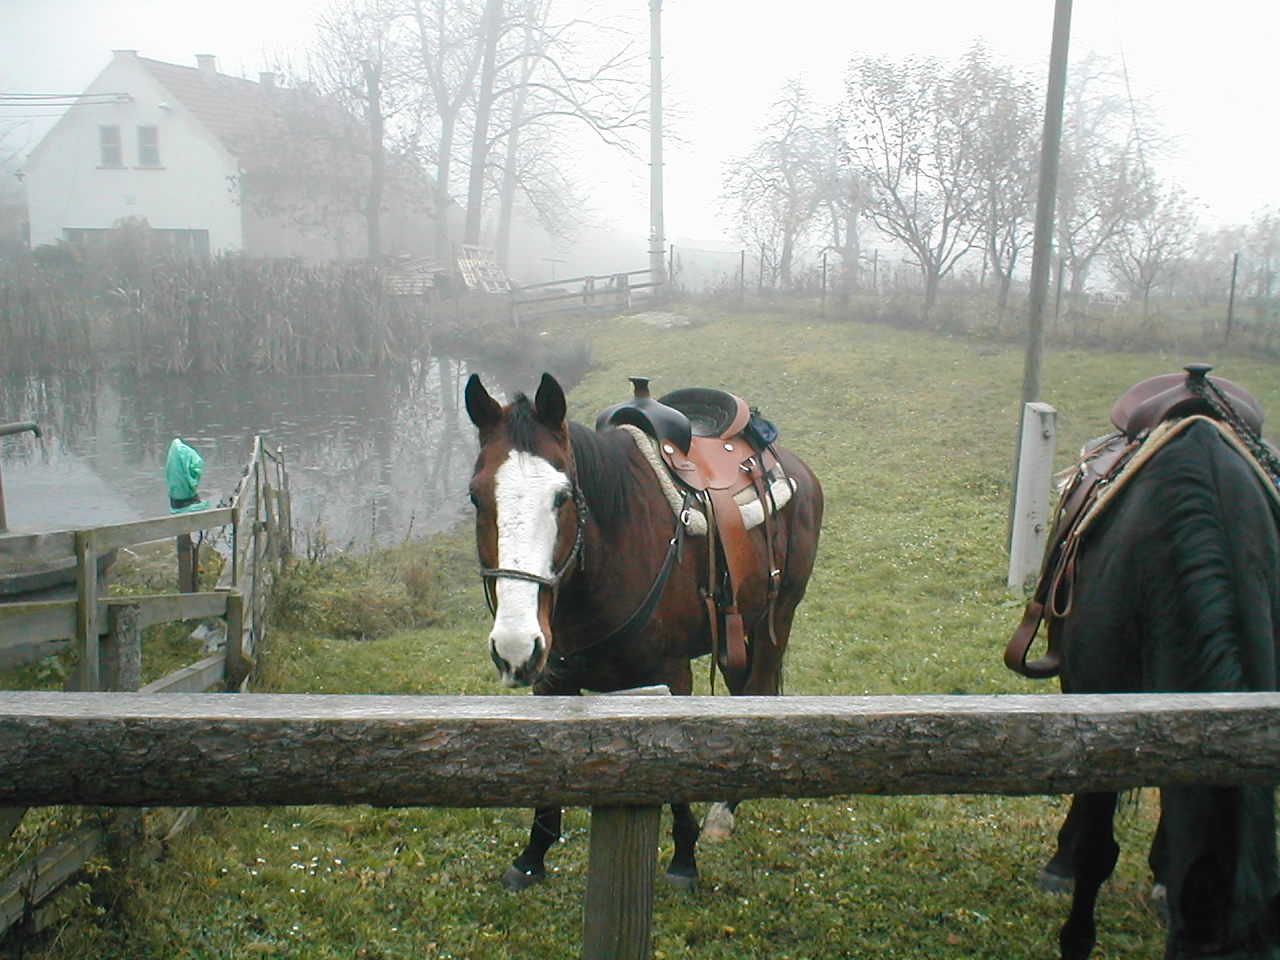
{"x":524,"y":673}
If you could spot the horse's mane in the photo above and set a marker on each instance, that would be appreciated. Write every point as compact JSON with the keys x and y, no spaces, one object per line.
{"x":1203,"y":581}
{"x":599,"y":459}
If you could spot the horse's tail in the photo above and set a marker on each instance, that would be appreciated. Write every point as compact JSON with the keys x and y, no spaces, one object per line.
{"x":1221,"y":626}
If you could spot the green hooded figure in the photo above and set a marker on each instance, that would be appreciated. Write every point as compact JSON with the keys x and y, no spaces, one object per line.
{"x":182,"y":473}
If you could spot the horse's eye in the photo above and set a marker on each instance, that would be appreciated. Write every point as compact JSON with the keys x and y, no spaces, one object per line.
{"x":561,"y":498}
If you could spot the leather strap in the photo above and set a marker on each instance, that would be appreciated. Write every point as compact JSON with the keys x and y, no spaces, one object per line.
{"x":738,"y":558}
{"x":1053,"y":595}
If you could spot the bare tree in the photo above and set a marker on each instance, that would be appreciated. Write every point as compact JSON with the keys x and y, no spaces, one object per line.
{"x":1158,"y":236}
{"x":909,"y":131}
{"x":1106,"y":147}
{"x":1005,"y":139}
{"x":775,"y":188}
{"x":538,"y":73}
{"x":446,"y":56}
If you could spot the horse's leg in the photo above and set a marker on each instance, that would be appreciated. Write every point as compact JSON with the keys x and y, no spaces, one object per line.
{"x":1158,"y":860}
{"x":682,"y":871}
{"x":1056,"y":876}
{"x":764,"y":678}
{"x":527,"y":869}
{"x":1094,"y":854}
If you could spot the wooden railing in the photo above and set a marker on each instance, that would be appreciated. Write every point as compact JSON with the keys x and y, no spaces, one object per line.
{"x":106,"y":631}
{"x":613,"y":290}
{"x":621,"y":756}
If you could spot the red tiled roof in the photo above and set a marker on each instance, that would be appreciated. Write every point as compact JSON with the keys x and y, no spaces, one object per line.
{"x":222,"y":103}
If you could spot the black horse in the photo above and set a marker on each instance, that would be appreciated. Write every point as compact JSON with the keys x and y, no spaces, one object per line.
{"x":1176,"y":588}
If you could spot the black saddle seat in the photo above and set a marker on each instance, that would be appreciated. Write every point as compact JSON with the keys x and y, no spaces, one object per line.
{"x":711,"y":413}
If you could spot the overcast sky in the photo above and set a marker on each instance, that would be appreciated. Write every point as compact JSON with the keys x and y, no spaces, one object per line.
{"x":1211,"y":70}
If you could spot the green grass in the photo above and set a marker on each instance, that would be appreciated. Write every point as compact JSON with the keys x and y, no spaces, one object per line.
{"x":911,"y":435}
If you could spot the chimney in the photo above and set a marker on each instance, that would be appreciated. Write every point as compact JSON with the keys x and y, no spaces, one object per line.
{"x":208,"y":65}
{"x":268,"y":80}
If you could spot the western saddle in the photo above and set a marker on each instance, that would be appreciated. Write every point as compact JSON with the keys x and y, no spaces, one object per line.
{"x":715,"y":447}
{"x":1141,"y":409}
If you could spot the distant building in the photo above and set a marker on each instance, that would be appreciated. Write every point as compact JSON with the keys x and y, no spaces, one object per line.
{"x":215,"y":163}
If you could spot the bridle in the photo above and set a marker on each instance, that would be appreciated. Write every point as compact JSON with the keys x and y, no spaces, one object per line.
{"x":491,"y":574}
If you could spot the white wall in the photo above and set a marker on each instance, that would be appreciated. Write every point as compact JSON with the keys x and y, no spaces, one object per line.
{"x":68,"y":187}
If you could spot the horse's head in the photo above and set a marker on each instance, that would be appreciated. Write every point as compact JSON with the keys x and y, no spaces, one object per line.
{"x":529,"y":517}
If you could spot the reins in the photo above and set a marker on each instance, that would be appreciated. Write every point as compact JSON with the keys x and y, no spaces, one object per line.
{"x":635,"y":623}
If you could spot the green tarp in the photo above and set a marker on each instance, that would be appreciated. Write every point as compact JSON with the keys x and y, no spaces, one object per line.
{"x":182,"y":473}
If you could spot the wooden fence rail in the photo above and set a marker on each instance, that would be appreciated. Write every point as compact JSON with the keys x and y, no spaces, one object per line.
{"x":621,"y":756}
{"x":106,"y":631}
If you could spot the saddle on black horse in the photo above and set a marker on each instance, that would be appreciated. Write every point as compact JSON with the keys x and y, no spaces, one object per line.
{"x":718,"y":450}
{"x":1138,"y":412}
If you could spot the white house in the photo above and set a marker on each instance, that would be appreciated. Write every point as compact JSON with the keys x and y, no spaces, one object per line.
{"x":203,"y":158}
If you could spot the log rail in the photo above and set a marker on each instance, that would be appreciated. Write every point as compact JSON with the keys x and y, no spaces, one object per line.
{"x":622,"y":756}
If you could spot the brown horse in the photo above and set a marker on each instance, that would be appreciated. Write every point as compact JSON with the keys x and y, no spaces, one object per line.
{"x":593,"y":583}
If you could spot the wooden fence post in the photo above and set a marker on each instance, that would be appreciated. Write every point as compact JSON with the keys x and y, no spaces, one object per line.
{"x":1031,"y":500}
{"x":87,"y":610}
{"x":188,"y":564}
{"x":121,"y":669}
{"x":121,"y":659}
{"x":238,"y":663}
{"x":618,"y":906}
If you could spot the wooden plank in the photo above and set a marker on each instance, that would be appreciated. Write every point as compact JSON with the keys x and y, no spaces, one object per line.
{"x":26,"y":625}
{"x":166,"y":607}
{"x":159,"y":528}
{"x":618,"y":907}
{"x":197,"y":678}
{"x":50,"y":546}
{"x":39,"y":876}
{"x":195,"y":750}
{"x":20,"y":654}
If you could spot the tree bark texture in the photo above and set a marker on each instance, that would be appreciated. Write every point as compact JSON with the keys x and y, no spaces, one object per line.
{"x":123,"y":749}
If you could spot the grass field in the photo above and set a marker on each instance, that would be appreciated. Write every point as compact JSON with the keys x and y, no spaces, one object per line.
{"x":912,"y":437}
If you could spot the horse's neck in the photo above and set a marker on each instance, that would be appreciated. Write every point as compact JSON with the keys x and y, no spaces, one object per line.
{"x":620,"y":490}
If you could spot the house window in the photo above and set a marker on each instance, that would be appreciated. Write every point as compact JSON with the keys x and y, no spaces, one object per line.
{"x":148,"y":146}
{"x":109,"y":146}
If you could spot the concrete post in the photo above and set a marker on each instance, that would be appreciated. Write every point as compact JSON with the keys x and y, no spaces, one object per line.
{"x":1031,"y":500}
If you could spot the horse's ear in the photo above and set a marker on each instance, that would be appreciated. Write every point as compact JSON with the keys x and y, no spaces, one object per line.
{"x":550,"y":403}
{"x":483,"y":410}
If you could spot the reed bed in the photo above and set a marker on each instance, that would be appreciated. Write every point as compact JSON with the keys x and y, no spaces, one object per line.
{"x":75,"y":311}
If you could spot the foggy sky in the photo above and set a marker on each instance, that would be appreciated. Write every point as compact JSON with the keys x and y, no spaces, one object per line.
{"x":1211,"y":73}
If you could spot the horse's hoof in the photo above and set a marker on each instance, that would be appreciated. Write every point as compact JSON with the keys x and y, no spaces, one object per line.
{"x":1050,"y":882}
{"x":683,"y":881}
{"x":718,"y":824}
{"x":1158,"y":899}
{"x":516,"y":879}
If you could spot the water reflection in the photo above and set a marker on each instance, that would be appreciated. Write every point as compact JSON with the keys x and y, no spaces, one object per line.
{"x":372,"y":458}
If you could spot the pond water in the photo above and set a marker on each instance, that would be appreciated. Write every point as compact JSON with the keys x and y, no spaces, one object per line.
{"x":373,"y":458}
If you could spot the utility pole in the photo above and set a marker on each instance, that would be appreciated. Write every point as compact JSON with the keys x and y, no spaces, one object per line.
{"x":657,"y":232}
{"x":1042,"y":241}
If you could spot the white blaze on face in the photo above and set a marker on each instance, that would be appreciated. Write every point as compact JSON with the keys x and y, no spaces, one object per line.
{"x":525,"y":491}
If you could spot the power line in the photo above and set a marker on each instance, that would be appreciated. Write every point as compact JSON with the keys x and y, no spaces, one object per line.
{"x":36,"y":100}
